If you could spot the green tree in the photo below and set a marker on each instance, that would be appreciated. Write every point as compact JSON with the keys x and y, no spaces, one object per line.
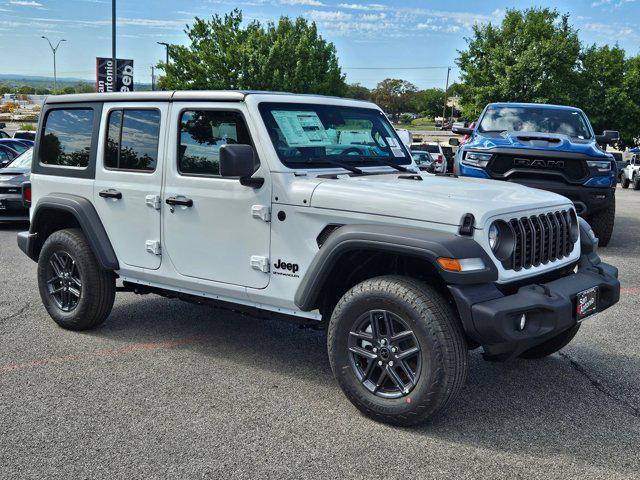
{"x":603,"y":94}
{"x":288,"y":55}
{"x":429,"y":102}
{"x":84,"y":87}
{"x":4,"y":88}
{"x":533,"y":56}
{"x":357,"y":91}
{"x":43,"y":91}
{"x":394,"y":96}
{"x":26,"y":90}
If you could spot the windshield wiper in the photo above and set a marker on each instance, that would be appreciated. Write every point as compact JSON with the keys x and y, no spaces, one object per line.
{"x":351,"y":168}
{"x":400,"y":168}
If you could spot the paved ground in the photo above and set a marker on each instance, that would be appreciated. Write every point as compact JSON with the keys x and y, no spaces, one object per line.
{"x":168,"y":389}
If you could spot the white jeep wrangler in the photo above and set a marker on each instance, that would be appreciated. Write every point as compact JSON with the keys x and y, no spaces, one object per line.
{"x":630,"y":174}
{"x":307,"y":208}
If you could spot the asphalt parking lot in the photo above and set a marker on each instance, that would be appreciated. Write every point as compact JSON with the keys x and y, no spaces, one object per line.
{"x":170,"y":389}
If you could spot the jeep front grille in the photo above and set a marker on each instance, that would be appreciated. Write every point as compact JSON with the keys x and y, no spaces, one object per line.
{"x":540,"y":239}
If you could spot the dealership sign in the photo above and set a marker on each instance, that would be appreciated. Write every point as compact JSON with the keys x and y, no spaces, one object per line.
{"x":108,"y":81}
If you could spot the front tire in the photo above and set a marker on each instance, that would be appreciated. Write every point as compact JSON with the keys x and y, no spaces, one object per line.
{"x":624,"y":181}
{"x":76,"y":292}
{"x":551,"y":346}
{"x":602,"y":223}
{"x":397,"y":349}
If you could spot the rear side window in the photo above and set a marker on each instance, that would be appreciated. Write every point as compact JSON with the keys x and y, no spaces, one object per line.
{"x":66,"y":140}
{"x":202,"y":133}
{"x":132,"y":140}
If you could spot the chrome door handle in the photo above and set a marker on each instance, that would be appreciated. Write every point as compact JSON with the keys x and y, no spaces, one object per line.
{"x":110,"y":193}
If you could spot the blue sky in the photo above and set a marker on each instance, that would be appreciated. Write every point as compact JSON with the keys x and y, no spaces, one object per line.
{"x":379,"y":33}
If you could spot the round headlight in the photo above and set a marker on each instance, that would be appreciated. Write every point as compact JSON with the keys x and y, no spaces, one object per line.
{"x":493,"y":236}
{"x":501,"y":240}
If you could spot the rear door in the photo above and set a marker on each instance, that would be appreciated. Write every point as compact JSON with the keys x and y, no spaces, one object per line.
{"x":129,"y":178}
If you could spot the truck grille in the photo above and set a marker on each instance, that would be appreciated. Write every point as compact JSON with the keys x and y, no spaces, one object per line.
{"x":510,"y":166}
{"x":540,"y":239}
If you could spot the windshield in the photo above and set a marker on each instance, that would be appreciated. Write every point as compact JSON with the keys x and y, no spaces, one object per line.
{"x":23,"y":161}
{"x":310,"y":135}
{"x":535,"y":119}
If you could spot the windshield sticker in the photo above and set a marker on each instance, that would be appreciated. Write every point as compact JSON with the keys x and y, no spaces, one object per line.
{"x":392,"y":142}
{"x":397,"y":152}
{"x":302,"y":129}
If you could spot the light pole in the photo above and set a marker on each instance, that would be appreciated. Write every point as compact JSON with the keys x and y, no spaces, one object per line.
{"x":166,"y":46}
{"x":114,"y":58}
{"x":54,"y":50}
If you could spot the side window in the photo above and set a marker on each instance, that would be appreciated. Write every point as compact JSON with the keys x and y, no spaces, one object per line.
{"x":202,"y":133}
{"x":132,"y":140}
{"x":66,"y":140}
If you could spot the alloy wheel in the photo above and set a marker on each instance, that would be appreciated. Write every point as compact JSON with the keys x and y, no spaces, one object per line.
{"x":384,"y":354}
{"x":64,"y":284}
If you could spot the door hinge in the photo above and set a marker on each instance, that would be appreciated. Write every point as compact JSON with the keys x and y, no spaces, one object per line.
{"x":153,"y":201}
{"x":260,"y":263}
{"x":262,"y":212}
{"x":153,"y":246}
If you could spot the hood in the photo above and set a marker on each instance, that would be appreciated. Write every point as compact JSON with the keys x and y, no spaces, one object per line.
{"x":435,"y":199}
{"x":536,"y":141}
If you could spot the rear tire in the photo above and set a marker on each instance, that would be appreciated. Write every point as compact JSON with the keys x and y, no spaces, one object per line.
{"x":551,"y":346}
{"x":602,"y":223}
{"x":77,"y":293}
{"x":440,"y":363}
{"x":624,"y":181}
{"x":636,"y":182}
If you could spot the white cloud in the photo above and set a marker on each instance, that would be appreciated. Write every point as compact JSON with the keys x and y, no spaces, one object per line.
{"x":362,"y":6}
{"x":308,"y":3}
{"x":25,"y":3}
{"x":328,"y":16}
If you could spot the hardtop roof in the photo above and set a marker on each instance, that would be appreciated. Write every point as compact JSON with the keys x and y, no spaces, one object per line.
{"x":176,"y":95}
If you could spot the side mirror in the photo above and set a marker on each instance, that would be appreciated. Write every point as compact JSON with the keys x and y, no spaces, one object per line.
{"x":608,"y":137}
{"x":4,"y":163}
{"x":3,"y":125}
{"x":239,"y":161}
{"x":460,"y":129}
{"x":454,"y":142}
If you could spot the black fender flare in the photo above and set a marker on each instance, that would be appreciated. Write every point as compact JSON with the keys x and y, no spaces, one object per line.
{"x":86,"y":215}
{"x":426,"y":244}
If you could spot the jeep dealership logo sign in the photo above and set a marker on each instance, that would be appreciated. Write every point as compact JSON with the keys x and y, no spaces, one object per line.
{"x":108,"y":81}
{"x":537,"y":163}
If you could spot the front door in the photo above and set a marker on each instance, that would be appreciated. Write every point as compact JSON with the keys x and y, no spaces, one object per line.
{"x":129,"y":179}
{"x":215,"y":228}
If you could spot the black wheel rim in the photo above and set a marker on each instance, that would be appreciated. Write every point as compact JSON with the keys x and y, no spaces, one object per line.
{"x":64,"y":284}
{"x":385,"y":354}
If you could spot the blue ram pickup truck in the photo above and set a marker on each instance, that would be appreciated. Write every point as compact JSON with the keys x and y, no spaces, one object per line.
{"x":549,"y":147}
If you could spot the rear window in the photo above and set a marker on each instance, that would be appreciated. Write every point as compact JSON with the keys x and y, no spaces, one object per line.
{"x":132,"y":140}
{"x":66,"y":140}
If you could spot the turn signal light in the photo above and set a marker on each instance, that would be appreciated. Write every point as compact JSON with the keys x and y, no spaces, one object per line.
{"x":450,"y":264}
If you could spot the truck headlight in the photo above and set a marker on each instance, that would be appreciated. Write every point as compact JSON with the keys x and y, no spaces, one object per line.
{"x":601,"y":165}
{"x":501,"y":240}
{"x":476,"y":159}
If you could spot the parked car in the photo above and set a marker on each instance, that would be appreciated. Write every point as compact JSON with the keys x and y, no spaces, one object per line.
{"x":549,"y":147}
{"x":25,"y":135}
{"x":254,"y":201}
{"x":17,"y":145}
{"x":422,"y":159}
{"x":620,"y":164}
{"x":436,"y":152}
{"x":12,"y":178}
{"x":7,"y":154}
{"x":631,"y":173}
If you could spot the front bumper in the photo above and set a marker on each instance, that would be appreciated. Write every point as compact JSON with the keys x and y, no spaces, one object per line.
{"x":587,"y":200}
{"x":492,"y":318}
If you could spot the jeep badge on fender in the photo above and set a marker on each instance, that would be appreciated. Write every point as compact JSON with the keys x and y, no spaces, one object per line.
{"x":380,"y":261}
